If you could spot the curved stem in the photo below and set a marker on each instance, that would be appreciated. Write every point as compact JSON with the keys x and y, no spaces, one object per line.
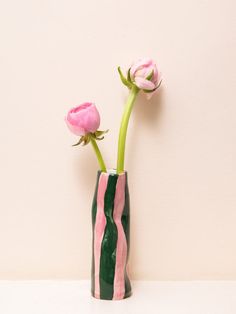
{"x":123,"y":128}
{"x":98,"y":154}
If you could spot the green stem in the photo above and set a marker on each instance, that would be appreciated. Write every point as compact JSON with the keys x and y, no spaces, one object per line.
{"x":123,"y":128}
{"x":98,"y":153}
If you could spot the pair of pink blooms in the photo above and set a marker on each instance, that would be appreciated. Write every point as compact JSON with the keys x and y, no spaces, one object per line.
{"x":85,"y":118}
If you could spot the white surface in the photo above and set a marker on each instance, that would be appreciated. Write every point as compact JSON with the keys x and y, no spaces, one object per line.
{"x":73,"y":297}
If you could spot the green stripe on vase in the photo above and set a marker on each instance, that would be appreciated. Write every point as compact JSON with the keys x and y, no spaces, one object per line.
{"x":108,"y":247}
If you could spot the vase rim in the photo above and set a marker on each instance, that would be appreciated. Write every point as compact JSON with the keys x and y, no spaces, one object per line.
{"x":112,"y":172}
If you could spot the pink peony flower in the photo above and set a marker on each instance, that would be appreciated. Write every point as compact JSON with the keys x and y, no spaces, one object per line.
{"x":83,"y":119}
{"x":144,"y":75}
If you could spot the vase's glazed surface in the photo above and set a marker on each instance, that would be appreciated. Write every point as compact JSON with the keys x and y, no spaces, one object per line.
{"x":110,"y":219}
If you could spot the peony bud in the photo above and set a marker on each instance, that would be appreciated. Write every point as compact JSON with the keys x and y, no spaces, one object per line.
{"x":83,"y":119}
{"x":143,"y":74}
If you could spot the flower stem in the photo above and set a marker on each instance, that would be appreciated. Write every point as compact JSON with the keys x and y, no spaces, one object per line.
{"x":123,"y":128}
{"x":98,"y":154}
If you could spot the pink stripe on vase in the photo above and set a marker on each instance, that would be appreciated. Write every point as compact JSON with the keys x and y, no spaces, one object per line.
{"x":121,"y":250}
{"x":100,"y":224}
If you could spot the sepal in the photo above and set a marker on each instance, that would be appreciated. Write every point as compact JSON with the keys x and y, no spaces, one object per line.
{"x":85,"y":139}
{"x":128,"y":76}
{"x":126,"y":82}
{"x":98,"y":135}
{"x":149,"y":77}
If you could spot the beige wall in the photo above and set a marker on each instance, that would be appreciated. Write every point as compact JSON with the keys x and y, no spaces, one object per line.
{"x":181,"y":145}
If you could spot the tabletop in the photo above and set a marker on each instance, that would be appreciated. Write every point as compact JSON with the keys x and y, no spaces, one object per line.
{"x":151,"y":297}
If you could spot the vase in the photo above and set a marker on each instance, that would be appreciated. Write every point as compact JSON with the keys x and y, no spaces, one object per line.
{"x":111,"y":229}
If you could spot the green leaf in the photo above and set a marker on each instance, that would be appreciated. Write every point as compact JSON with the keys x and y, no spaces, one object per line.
{"x":124,"y":80}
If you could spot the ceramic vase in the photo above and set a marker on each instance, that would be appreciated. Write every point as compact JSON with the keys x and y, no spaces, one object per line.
{"x":111,"y":229}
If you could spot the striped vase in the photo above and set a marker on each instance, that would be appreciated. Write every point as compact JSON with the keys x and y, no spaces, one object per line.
{"x":110,"y":220}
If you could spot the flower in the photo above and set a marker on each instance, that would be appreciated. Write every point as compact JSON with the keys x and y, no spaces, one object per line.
{"x":83,"y":119}
{"x":144,"y":75}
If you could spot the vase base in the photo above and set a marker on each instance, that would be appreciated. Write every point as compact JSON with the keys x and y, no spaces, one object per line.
{"x":127,"y":295}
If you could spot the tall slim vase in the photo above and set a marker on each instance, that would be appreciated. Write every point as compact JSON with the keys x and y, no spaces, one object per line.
{"x":111,"y":229}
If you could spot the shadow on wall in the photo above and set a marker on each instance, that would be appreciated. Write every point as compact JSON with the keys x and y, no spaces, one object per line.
{"x":149,"y":111}
{"x":85,"y":167}
{"x":146,"y":115}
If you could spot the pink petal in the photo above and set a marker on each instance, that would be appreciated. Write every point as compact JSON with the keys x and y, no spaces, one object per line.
{"x":144,"y":72}
{"x":149,"y":95}
{"x":91,"y":119}
{"x":144,"y":84}
{"x":139,"y":64}
{"x":155,"y":75}
{"x":81,"y":107}
{"x":75,"y":129}
{"x":83,"y":119}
